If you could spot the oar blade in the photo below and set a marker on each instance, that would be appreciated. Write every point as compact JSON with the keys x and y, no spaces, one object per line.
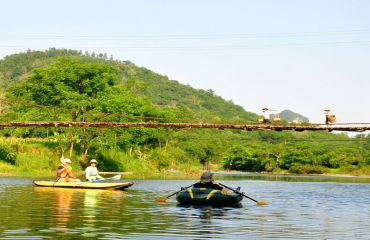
{"x":116,"y":177}
{"x":261,"y":203}
{"x":161,"y":200}
{"x":164,"y":199}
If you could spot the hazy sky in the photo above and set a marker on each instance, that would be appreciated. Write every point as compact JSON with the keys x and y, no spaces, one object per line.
{"x":302,"y":55}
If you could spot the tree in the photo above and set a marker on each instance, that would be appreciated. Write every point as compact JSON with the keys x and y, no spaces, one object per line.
{"x":243,"y":158}
{"x":73,"y":85}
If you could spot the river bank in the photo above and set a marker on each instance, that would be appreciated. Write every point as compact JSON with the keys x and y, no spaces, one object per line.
{"x":173,"y":175}
{"x":287,"y":174}
{"x":39,"y":161}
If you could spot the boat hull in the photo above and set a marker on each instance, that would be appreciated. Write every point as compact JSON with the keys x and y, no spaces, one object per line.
{"x":208,"y":197}
{"x":86,"y":185}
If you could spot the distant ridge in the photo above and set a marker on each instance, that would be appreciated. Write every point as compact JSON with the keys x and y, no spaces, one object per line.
{"x":291,"y":116}
{"x":197,"y":104}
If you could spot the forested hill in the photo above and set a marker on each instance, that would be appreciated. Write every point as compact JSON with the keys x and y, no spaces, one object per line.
{"x":200,"y":104}
{"x":291,"y":116}
{"x":68,"y":85}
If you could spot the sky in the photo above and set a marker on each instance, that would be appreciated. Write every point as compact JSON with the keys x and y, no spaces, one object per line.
{"x":302,"y":55}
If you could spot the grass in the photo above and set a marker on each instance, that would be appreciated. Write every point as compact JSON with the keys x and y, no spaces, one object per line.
{"x":37,"y":160}
{"x":7,"y":169}
{"x":147,"y":169}
{"x":34,"y":160}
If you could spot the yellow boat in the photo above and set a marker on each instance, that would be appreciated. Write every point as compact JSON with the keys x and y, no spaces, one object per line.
{"x":87,"y":185}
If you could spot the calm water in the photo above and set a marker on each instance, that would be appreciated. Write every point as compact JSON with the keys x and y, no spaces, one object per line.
{"x":297,"y":210}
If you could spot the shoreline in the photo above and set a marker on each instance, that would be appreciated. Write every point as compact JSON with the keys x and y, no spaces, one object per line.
{"x":186,"y":176}
{"x":339,"y":175}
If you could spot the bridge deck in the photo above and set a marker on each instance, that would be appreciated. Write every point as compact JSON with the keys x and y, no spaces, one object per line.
{"x":353,"y":127}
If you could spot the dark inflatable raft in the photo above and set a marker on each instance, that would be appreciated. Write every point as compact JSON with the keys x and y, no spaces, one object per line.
{"x":208,"y":197}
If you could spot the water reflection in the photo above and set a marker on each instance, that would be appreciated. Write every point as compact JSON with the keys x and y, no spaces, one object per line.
{"x":297,"y":210}
{"x":95,"y":199}
{"x":203,"y":221}
{"x":70,"y":206}
{"x":91,"y":199}
{"x":62,"y":199}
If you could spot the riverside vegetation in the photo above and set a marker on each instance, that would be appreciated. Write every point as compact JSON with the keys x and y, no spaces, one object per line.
{"x":68,"y":85}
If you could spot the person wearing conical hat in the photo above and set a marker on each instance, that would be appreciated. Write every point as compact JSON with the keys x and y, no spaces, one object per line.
{"x":329,"y":117}
{"x":92,"y":173}
{"x":64,"y":171}
{"x":266,"y":115}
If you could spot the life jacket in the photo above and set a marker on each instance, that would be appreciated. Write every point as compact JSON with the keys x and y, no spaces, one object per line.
{"x":63,"y":171}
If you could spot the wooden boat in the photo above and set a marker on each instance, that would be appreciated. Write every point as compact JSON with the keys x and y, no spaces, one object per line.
{"x":87,"y":185}
{"x":208,"y":197}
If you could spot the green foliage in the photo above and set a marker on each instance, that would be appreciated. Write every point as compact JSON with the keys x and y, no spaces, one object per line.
{"x":299,"y":168}
{"x":243,"y":158}
{"x":15,"y":66}
{"x":108,"y":162}
{"x":65,"y":85}
{"x":70,"y":82}
{"x":302,"y":156}
{"x":7,"y":154}
{"x":161,"y":159}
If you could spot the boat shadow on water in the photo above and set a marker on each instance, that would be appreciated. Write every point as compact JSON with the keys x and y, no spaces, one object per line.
{"x":205,"y":220}
{"x":210,"y":207}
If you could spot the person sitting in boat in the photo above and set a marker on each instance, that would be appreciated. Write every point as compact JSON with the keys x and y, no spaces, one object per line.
{"x":64,"y":171}
{"x":207,"y":181}
{"x":92,"y":174}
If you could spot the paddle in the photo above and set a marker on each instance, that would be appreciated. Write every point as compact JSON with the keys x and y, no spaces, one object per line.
{"x":236,"y":191}
{"x":164,"y":199}
{"x":116,"y":177}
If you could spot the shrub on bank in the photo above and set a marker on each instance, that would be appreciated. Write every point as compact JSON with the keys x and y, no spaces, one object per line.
{"x":355,"y":170}
{"x":6,"y":169}
{"x":243,"y":159}
{"x":7,"y":154}
{"x":307,"y":169}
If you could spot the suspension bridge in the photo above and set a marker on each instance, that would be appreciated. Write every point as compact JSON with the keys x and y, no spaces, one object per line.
{"x":349,"y":127}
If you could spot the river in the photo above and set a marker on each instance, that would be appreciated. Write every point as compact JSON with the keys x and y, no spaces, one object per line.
{"x":303,"y":208}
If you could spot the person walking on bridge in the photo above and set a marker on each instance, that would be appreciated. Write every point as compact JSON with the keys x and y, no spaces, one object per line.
{"x":266,"y":115}
{"x":329,"y":117}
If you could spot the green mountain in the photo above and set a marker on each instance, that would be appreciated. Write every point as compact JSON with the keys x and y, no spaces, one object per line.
{"x":291,"y":116}
{"x":68,"y":85}
{"x":161,"y":91}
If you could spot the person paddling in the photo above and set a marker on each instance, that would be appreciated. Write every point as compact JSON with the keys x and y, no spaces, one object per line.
{"x":92,"y":174}
{"x":64,"y":171}
{"x":207,"y":181}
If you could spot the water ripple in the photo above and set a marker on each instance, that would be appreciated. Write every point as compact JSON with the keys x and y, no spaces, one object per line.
{"x":297,"y":210}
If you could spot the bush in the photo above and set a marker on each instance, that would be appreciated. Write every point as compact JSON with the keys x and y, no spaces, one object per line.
{"x":108,"y":162}
{"x":243,"y":159}
{"x":7,"y":154}
{"x":307,"y":169}
{"x":161,"y":159}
